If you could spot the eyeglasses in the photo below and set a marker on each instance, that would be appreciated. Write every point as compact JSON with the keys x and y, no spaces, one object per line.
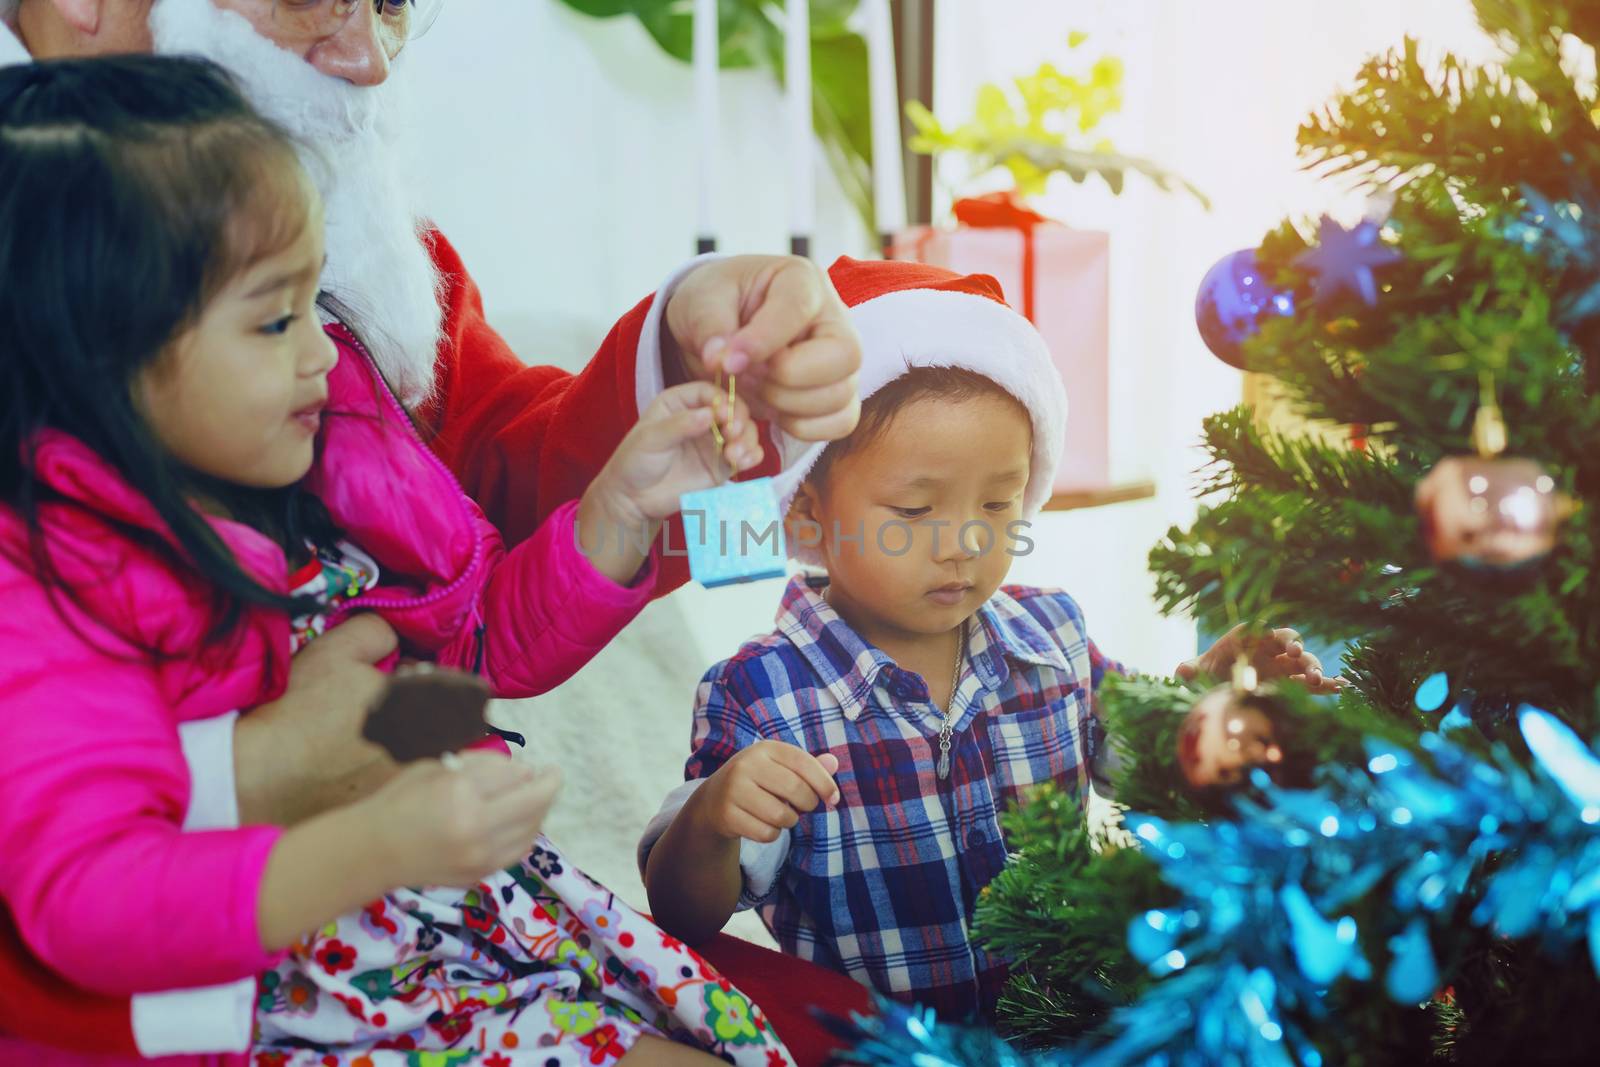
{"x":399,"y":21}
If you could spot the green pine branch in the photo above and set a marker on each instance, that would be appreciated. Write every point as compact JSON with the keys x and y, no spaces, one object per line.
{"x":1481,"y":130}
{"x":1495,"y":177}
{"x":1058,"y":914}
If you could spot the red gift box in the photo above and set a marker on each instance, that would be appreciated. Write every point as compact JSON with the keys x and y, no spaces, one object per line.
{"x":1059,"y":278}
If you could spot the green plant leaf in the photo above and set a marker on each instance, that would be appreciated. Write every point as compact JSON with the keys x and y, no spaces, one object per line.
{"x":843,"y":114}
{"x":1112,"y":167}
{"x":1029,"y":131}
{"x":601,"y":9}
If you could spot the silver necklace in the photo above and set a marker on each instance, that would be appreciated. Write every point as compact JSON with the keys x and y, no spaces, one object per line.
{"x":942,"y":768}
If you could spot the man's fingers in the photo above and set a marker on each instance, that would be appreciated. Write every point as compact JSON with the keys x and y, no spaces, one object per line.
{"x":1319,"y":684}
{"x":364,"y":638}
{"x":710,"y":318}
{"x":831,"y":354}
{"x":823,"y":427}
{"x":1286,"y":640}
{"x":810,"y":402}
{"x":1240,"y":633}
{"x":785,"y":310}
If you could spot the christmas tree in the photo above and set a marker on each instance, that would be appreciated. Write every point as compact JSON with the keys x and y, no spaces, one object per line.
{"x":1414,"y":871}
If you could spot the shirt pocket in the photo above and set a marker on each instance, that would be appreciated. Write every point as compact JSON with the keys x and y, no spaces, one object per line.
{"x":1037,"y":745}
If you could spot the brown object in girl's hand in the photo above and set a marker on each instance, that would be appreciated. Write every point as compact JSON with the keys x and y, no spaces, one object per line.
{"x":426,"y":713}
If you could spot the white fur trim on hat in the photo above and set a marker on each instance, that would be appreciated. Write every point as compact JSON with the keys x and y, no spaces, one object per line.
{"x":941,"y":328}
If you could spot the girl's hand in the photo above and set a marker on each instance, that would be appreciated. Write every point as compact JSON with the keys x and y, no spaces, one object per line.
{"x":451,"y":826}
{"x":1273,"y":653}
{"x":669,"y":452}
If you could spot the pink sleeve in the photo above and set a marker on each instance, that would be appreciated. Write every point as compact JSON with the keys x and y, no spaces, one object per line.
{"x":103,"y":885}
{"x":546,"y":611}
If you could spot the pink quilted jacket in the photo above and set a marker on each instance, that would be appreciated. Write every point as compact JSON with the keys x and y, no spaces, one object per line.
{"x":93,"y":786}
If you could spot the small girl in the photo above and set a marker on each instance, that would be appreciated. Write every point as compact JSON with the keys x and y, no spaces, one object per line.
{"x":196,"y":479}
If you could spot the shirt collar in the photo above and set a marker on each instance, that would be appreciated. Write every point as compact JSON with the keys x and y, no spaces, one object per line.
{"x":849,"y":667}
{"x":11,"y":50}
{"x":1009,"y":629}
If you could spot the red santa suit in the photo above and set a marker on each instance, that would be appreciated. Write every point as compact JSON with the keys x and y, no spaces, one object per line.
{"x":522,"y":440}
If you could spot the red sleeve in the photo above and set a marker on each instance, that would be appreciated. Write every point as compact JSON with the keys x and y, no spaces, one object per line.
{"x":37,"y":1005}
{"x":525,"y":440}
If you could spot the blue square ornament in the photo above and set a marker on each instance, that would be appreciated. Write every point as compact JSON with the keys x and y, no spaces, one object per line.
{"x":734,"y":533}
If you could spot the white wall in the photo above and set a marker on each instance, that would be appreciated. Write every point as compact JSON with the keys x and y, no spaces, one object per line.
{"x":561,"y":161}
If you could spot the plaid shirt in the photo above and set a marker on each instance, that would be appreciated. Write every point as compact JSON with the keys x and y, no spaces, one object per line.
{"x":882,"y":886}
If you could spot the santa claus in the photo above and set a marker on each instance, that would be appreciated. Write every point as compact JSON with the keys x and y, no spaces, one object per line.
{"x":522,"y":440}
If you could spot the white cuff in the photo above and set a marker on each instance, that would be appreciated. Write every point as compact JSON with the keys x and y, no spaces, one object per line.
{"x":760,"y":862}
{"x":216,"y":1018}
{"x":650,"y":376}
{"x":208,"y":750}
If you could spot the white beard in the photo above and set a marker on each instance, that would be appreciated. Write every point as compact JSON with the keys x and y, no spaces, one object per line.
{"x":351,"y":140}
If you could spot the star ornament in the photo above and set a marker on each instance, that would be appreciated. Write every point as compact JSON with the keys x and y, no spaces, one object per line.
{"x":1343,"y":260}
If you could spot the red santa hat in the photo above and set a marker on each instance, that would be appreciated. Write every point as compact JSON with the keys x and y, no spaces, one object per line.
{"x":914,"y":315}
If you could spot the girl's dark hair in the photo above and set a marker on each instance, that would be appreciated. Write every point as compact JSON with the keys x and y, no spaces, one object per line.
{"x":917,"y":383}
{"x":131,"y":190}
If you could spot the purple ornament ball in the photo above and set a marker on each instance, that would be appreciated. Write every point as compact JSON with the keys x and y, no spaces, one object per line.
{"x":1234,"y":300}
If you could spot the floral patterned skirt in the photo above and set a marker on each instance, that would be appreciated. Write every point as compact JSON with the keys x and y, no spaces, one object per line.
{"x":537,"y":965}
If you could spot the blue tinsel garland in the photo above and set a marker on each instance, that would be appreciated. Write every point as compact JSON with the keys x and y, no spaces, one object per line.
{"x":1246,"y":961}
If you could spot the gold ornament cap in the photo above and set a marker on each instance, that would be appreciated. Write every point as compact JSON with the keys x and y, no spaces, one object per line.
{"x":1245,"y":678}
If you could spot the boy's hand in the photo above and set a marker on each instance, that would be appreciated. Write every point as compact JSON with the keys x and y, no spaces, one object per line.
{"x":1274,"y":654}
{"x":764,"y":790}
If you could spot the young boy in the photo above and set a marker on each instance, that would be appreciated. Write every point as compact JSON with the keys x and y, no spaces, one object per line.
{"x":849,"y":769}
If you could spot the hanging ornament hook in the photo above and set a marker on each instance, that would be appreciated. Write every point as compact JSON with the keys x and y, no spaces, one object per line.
{"x":1489,"y":424}
{"x":1244,"y":678}
{"x":716,"y":430}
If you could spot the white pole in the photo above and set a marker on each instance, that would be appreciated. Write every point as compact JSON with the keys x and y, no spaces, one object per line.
{"x":707,"y":45}
{"x":802,"y":172}
{"x":888,"y":172}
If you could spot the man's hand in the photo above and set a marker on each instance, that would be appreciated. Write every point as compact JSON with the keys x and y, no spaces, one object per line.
{"x":1273,"y":653}
{"x":303,"y":753}
{"x":776,"y":322}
